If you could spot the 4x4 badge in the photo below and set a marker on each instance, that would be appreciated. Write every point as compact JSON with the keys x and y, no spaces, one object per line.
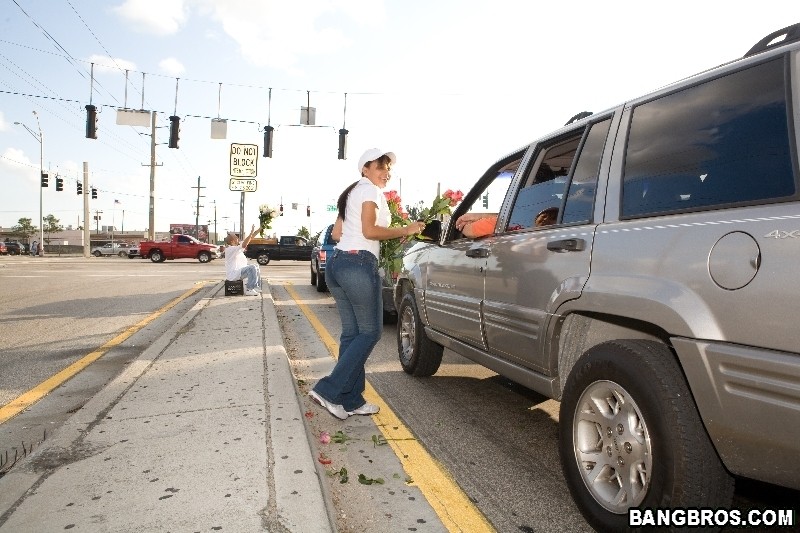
{"x":780,"y":234}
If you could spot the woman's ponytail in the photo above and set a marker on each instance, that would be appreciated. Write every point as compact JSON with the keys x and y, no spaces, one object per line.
{"x":341,"y":204}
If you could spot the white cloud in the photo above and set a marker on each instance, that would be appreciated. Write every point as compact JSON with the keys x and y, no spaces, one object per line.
{"x":110,"y":64}
{"x":161,"y":17}
{"x":276,"y":33}
{"x":171,"y":66}
{"x":3,"y":124}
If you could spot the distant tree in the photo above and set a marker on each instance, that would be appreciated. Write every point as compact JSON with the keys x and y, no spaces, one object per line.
{"x":24,"y":229}
{"x":51,"y":225}
{"x":415,"y":210}
{"x":303,"y":232}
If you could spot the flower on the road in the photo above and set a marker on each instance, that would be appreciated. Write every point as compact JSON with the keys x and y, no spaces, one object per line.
{"x":325,"y":437}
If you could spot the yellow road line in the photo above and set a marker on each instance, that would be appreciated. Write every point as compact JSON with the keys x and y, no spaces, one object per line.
{"x":16,"y":406}
{"x":451,"y":504}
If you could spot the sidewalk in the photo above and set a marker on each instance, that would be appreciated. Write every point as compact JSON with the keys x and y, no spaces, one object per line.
{"x":203,"y":432}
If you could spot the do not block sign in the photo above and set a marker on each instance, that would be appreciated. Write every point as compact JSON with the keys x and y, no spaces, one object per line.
{"x":244,"y":160}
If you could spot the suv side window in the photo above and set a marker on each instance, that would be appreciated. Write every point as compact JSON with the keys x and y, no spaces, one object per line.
{"x":580,"y":198}
{"x":540,"y":199}
{"x":724,"y":142}
{"x":543,"y":189}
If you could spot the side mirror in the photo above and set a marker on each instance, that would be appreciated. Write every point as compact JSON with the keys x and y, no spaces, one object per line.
{"x":433,"y":230}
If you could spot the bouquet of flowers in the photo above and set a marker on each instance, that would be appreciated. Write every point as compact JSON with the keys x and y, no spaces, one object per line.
{"x":265,"y":215}
{"x":391,"y":250}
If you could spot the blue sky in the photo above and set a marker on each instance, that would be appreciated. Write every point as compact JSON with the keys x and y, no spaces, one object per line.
{"x":449,"y":85}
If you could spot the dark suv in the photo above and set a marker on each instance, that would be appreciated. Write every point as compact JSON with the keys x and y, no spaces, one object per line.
{"x":658,"y":305}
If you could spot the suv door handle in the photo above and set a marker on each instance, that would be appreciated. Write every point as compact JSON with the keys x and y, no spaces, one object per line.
{"x":567,"y":245}
{"x":478,"y":252}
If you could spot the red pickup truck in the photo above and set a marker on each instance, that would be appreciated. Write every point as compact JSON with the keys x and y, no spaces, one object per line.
{"x":180,"y":247}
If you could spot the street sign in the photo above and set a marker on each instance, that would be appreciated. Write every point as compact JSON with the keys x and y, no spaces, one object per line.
{"x":244,"y":185}
{"x":330,"y":208}
{"x":244,"y":160}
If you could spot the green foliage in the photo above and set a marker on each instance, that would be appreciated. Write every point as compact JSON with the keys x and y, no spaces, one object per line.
{"x":51,"y":225}
{"x":303,"y":232}
{"x":24,"y":228}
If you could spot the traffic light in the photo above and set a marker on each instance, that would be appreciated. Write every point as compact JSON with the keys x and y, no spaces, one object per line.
{"x":268,"y":140}
{"x":91,"y":122}
{"x":486,"y":200}
{"x":343,"y":143}
{"x":94,"y":193}
{"x":281,"y":210}
{"x":59,"y":184}
{"x":308,"y":210}
{"x":174,"y":131}
{"x":80,"y":188}
{"x":44,"y":179}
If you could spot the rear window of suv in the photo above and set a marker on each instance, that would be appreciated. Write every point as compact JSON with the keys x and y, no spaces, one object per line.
{"x":723,"y":142}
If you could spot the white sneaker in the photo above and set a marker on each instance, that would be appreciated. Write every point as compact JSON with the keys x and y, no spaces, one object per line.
{"x":366,"y":409}
{"x":333,"y":408}
{"x":251,"y":292}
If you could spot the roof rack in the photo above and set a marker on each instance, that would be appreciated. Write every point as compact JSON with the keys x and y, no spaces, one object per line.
{"x":790,"y":34}
{"x":582,"y":114}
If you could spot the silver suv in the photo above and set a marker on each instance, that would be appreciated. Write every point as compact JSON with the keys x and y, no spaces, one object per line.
{"x":659,"y":305}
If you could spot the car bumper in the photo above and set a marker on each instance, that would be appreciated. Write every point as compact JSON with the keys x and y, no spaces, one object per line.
{"x":749,"y":399}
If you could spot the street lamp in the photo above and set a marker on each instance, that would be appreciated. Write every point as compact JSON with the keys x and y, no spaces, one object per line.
{"x":39,"y":138}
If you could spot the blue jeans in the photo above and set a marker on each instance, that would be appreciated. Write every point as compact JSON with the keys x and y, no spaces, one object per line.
{"x":251,"y":276}
{"x":356,"y":286}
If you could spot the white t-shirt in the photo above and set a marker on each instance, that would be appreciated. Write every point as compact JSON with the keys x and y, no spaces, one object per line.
{"x":235,"y":261}
{"x":352,"y":236}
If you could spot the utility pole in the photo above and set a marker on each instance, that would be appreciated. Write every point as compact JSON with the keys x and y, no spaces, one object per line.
{"x":197,"y":209}
{"x":151,"y":231}
{"x":97,"y":221}
{"x":86,"y":228}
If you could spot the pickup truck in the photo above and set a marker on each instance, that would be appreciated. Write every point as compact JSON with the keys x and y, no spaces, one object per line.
{"x":289,"y":247}
{"x":111,"y":248}
{"x":180,"y":247}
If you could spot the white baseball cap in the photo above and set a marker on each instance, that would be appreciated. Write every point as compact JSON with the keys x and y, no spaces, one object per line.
{"x":372,"y":154}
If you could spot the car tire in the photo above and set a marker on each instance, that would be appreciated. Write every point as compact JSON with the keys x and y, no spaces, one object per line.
{"x":322,"y":285}
{"x":626,"y":409}
{"x":122,"y":254}
{"x":204,"y":257}
{"x":97,"y":253}
{"x":419,"y":356}
{"x":313,"y":274}
{"x":156,"y":256}
{"x":262,"y":259}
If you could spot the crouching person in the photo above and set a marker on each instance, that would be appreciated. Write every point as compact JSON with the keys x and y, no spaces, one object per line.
{"x":237,"y":267}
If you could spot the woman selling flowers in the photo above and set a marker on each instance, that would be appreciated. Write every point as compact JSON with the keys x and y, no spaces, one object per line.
{"x":354,"y":281}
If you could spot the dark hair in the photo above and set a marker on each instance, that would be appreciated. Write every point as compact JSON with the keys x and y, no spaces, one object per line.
{"x":341,"y":203}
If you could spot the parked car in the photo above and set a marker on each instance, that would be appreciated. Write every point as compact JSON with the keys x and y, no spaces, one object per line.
{"x":16,"y":248}
{"x":657,"y":308}
{"x":3,"y":249}
{"x":115,"y":248}
{"x":133,"y":251}
{"x":179,"y":247}
{"x":319,"y":256}
{"x":288,"y":247}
